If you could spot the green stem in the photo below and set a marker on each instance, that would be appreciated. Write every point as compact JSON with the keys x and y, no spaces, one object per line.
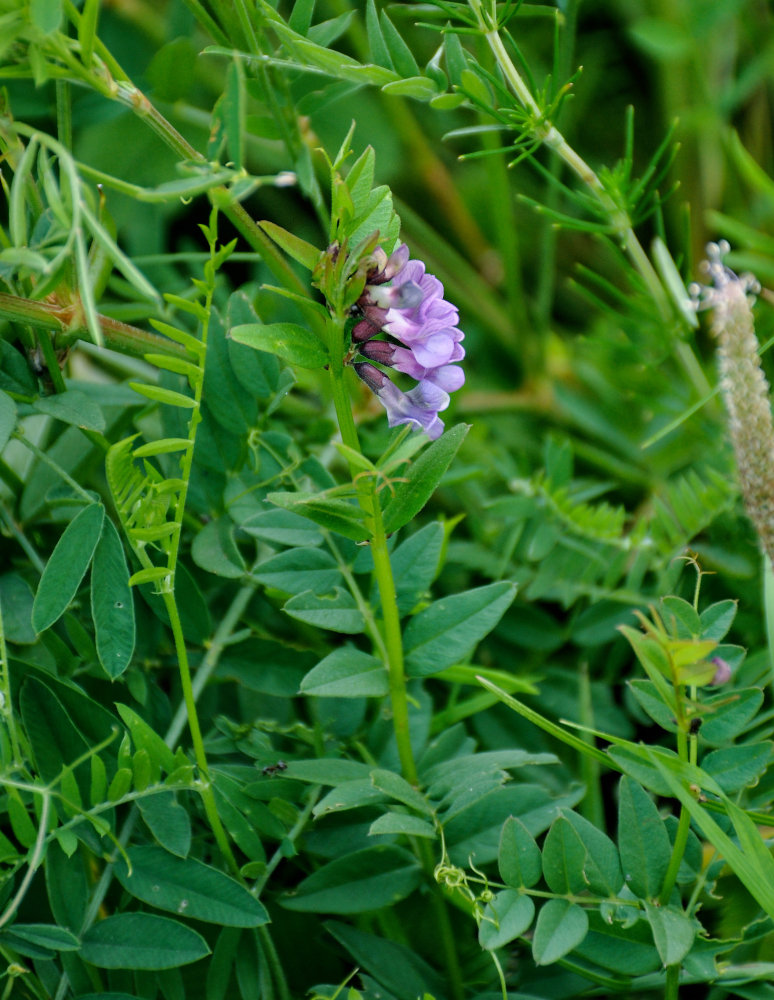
{"x":672,"y":987}
{"x":7,"y":706}
{"x":204,"y":671}
{"x":547,"y":133}
{"x":393,"y":639}
{"x":393,"y":643}
{"x":204,"y":784}
{"x":768,"y":604}
{"x":678,"y":853}
{"x":44,"y":457}
{"x":69,"y":325}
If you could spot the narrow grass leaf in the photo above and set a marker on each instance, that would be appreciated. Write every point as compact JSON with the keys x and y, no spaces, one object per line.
{"x":751,"y":861}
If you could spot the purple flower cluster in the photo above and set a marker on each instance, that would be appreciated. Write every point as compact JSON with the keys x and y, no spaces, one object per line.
{"x":402,"y":300}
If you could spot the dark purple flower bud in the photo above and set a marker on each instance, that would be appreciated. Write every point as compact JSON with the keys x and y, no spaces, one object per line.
{"x":372,"y":377}
{"x":371,"y":324}
{"x":419,"y":406}
{"x":381,"y":351}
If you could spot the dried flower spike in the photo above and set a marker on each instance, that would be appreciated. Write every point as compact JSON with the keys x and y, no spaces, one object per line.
{"x":743,"y":384}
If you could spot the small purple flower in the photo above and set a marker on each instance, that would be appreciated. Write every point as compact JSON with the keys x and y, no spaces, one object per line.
{"x":412,"y":311}
{"x":418,"y":406}
{"x":722,"y":671}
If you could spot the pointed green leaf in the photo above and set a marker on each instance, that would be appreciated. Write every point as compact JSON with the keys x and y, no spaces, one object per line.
{"x":159,"y":394}
{"x":67,"y":566}
{"x":332,"y":513}
{"x":447,"y":631}
{"x":422,"y":477}
{"x":7,"y":418}
{"x":39,"y":940}
{"x":396,"y":787}
{"x":145,"y":738}
{"x":673,"y":932}
{"x":112,"y":604}
{"x":301,"y":251}
{"x":299,"y":569}
{"x":347,"y":673}
{"x":72,"y":407}
{"x":292,"y":343}
{"x":401,"y":823}
{"x":189,"y":888}
{"x":215,"y":550}
{"x":168,"y":822}
{"x":601,"y":868}
{"x":642,"y":840}
{"x":336,"y":611}
{"x":141,"y":941}
{"x":358,"y":882}
{"x":564,"y":857}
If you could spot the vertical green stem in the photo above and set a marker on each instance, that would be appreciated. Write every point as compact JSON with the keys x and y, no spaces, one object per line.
{"x":592,"y":806}
{"x":5,"y":693}
{"x":672,"y":987}
{"x":393,"y":639}
{"x":205,"y":785}
{"x":768,"y":605}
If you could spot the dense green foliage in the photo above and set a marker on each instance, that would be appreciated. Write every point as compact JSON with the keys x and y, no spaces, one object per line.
{"x":293,"y":703}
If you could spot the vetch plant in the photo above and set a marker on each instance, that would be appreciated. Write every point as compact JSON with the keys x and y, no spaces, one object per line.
{"x":318,"y":629}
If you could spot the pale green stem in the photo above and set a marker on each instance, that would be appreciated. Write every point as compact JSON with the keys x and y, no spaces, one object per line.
{"x":768,"y":604}
{"x":592,"y":807}
{"x":550,"y":136}
{"x":35,"y":859}
{"x":393,"y":639}
{"x":44,"y":457}
{"x":204,"y":671}
{"x":204,"y":784}
{"x":672,"y":987}
{"x":5,"y":693}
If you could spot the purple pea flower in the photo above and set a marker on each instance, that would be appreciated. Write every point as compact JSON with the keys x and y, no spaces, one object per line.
{"x":418,"y":406}
{"x":425,"y":340}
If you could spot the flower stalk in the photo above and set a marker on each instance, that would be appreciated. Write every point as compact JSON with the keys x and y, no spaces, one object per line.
{"x":744,"y":386}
